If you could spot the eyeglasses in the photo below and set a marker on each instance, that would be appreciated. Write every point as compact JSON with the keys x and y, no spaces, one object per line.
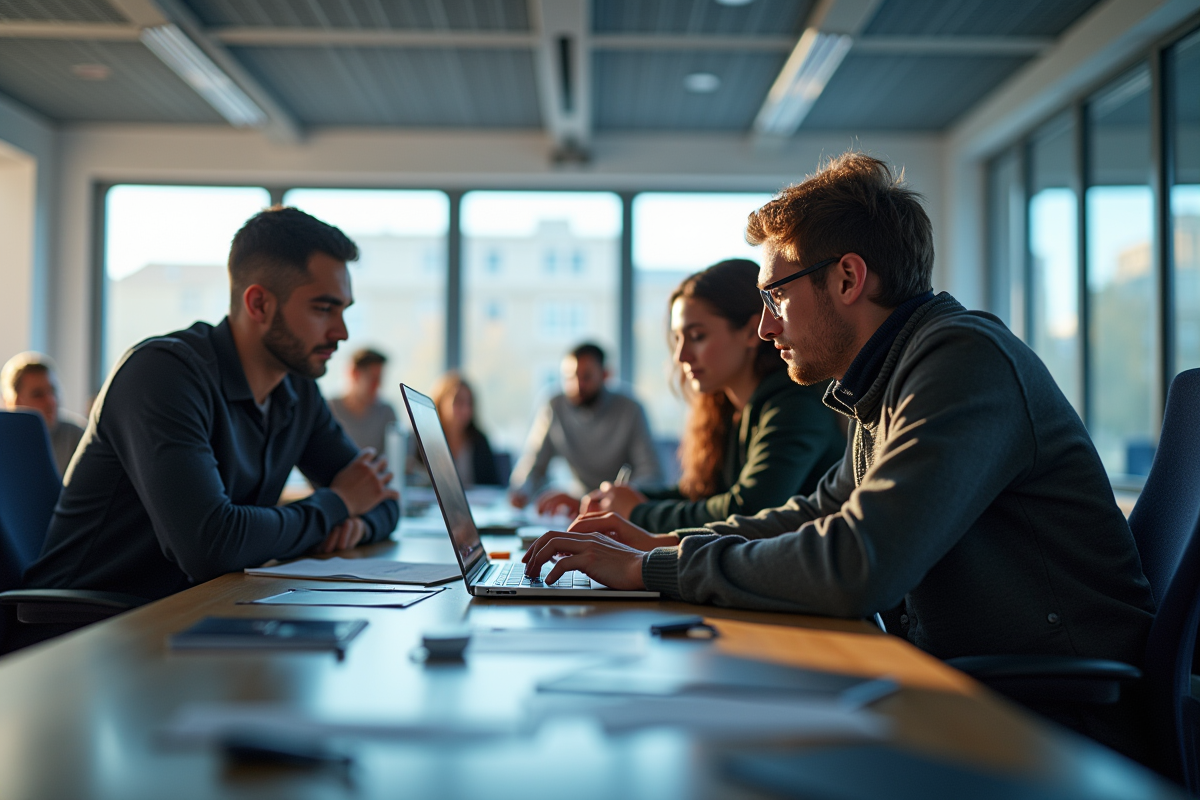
{"x":769,"y":299}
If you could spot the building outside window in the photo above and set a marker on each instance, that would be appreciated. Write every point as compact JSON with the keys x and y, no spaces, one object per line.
{"x":399,"y":304}
{"x":675,"y":235}
{"x":1121,"y":280}
{"x":513,"y":358}
{"x":166,"y":250}
{"x":1054,"y":253}
{"x":1183,"y":67}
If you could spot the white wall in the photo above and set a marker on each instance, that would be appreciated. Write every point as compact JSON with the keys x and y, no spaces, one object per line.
{"x":27,"y":204}
{"x":433,"y":159}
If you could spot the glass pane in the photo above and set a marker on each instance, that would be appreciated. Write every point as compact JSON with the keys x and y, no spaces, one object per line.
{"x":1054,"y":247}
{"x":1185,"y":199}
{"x":1120,"y":274}
{"x":166,"y":249}
{"x":399,"y":281}
{"x":674,"y":235}
{"x":540,"y":275}
{"x":1006,"y":241}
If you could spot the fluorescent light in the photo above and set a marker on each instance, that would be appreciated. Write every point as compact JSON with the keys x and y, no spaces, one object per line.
{"x":702,"y":82}
{"x":810,"y":66}
{"x":189,"y":62}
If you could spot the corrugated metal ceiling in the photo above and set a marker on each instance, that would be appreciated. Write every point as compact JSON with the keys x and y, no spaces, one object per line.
{"x":485,"y":15}
{"x":58,"y":11}
{"x":763,"y":17}
{"x":976,"y":17}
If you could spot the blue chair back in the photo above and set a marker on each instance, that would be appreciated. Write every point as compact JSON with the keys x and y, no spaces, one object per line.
{"x":29,"y":488}
{"x":1166,"y":527}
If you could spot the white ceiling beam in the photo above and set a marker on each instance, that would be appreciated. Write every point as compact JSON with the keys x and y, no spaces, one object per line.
{"x":508,"y":40}
{"x":70,"y":31}
{"x":151,"y":15}
{"x":563,"y":65}
{"x":828,"y":34}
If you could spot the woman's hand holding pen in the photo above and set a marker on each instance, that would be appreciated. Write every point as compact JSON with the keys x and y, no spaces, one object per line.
{"x":613,"y":497}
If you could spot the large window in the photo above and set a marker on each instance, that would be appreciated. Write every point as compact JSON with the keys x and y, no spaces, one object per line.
{"x":1120,"y":274}
{"x":541,"y":274}
{"x":1006,"y":241}
{"x":674,"y":236}
{"x":1183,"y":65}
{"x":1054,"y":254}
{"x":399,"y":281}
{"x":165,"y":253}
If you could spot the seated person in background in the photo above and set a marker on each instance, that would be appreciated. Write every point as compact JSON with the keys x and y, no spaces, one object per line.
{"x":971,"y":491}
{"x":455,"y":402}
{"x":753,"y":438}
{"x":362,"y":415}
{"x":597,"y":431}
{"x":28,"y":380}
{"x":194,"y":434}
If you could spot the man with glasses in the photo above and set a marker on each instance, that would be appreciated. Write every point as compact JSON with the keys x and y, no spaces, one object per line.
{"x":971,"y":503}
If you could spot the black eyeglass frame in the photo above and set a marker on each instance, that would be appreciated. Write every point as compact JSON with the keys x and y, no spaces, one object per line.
{"x":765,"y":291}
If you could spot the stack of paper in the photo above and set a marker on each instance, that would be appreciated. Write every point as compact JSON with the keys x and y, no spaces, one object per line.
{"x":366,"y":570}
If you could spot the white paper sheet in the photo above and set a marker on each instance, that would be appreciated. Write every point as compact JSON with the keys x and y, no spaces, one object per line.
{"x":368,"y":570}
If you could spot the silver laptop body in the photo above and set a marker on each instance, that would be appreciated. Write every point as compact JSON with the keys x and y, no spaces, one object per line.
{"x":484,"y":577}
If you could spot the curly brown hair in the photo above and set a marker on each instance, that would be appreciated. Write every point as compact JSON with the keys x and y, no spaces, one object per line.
{"x":730,"y":290}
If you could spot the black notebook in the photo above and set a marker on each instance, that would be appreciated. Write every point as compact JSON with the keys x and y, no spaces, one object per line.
{"x":243,"y":633}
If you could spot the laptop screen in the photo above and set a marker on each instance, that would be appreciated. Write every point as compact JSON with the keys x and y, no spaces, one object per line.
{"x":446,"y":484}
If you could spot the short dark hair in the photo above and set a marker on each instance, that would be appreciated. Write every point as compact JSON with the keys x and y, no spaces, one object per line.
{"x":366,"y":357}
{"x":853,"y":204}
{"x":588,"y":350}
{"x":273,"y":248}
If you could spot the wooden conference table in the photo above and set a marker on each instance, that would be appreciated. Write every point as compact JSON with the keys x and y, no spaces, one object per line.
{"x":82,"y":716}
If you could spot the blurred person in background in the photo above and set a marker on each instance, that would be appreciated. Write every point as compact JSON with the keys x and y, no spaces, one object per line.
{"x":473,"y":457}
{"x":753,"y":437}
{"x":362,"y":415}
{"x":596,"y":430}
{"x":29,"y":380}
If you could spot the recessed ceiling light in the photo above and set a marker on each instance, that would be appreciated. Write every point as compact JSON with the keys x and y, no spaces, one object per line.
{"x":702,"y":82}
{"x":735,"y":2}
{"x":92,"y":72}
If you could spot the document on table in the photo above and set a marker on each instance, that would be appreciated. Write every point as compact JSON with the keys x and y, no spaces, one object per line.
{"x":559,"y":642}
{"x":370,"y":598}
{"x":365,"y":570}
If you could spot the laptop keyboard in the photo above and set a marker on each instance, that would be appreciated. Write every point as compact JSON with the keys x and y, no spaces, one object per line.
{"x":513,"y":574}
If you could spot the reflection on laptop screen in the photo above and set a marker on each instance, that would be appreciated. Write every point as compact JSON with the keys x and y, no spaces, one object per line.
{"x":444,"y":476}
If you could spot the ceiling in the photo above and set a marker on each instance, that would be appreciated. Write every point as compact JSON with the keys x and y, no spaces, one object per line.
{"x":914,"y":65}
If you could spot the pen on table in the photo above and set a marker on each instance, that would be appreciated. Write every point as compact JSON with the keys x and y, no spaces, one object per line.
{"x":623,"y":475}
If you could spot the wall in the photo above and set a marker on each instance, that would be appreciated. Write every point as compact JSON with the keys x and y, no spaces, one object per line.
{"x":28,"y":187}
{"x":430,"y":159}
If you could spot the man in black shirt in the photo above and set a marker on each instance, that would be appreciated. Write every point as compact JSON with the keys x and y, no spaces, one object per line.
{"x":191,"y":439}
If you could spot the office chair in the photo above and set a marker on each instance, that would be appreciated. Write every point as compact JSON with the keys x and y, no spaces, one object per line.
{"x":1166,"y":528}
{"x":29,"y":489}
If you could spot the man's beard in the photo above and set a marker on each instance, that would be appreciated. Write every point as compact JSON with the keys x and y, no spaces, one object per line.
{"x":830,"y":346}
{"x":289,"y":350}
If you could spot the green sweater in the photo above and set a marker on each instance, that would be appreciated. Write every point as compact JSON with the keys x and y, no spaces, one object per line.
{"x":970,"y":490}
{"x":786,"y":441}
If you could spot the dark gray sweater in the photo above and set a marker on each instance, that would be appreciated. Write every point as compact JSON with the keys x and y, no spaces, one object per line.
{"x":970,"y":490}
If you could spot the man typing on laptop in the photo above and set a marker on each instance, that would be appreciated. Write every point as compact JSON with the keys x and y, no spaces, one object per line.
{"x":970,"y":494}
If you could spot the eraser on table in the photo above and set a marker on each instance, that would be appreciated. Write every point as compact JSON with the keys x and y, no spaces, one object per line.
{"x":500,"y":555}
{"x":446,"y":644}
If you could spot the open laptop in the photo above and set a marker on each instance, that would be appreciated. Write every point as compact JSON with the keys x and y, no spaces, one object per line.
{"x":484,"y":578}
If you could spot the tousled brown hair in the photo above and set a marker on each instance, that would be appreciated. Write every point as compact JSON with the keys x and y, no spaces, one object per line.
{"x":446,"y":387}
{"x":853,"y":204}
{"x":729,"y":288}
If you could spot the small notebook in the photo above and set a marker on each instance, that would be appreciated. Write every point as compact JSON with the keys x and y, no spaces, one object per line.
{"x":241,"y":633}
{"x":371,"y":598}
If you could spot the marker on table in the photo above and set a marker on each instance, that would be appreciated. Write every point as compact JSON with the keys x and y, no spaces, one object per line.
{"x":623,"y":475}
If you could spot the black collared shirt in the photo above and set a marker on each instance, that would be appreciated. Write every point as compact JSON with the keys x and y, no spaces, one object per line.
{"x":178,"y":475}
{"x":865,"y":367}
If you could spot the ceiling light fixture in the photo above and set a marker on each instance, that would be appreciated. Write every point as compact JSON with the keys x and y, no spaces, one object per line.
{"x":702,"y":83}
{"x":189,"y":62}
{"x":734,"y":2}
{"x":92,"y":72}
{"x":810,"y":66}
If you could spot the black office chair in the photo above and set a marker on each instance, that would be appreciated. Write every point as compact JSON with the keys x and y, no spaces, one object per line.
{"x":29,"y":489}
{"x":1166,"y":528}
